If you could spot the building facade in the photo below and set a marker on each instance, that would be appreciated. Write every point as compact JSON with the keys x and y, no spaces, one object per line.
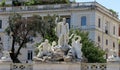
{"x":102,"y":25}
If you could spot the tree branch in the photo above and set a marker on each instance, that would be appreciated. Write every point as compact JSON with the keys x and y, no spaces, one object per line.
{"x":21,"y":45}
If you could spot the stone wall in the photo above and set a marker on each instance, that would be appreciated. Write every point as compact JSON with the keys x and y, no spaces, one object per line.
{"x":57,"y":66}
{"x":63,"y":66}
{"x":21,"y":66}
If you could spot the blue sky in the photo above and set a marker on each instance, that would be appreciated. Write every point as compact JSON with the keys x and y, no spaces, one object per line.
{"x":110,"y":4}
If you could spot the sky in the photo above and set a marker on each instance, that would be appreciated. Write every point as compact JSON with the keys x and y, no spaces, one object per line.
{"x":110,"y":4}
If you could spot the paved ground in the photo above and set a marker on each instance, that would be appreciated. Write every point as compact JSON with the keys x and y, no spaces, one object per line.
{"x":4,"y":67}
{"x":113,"y":66}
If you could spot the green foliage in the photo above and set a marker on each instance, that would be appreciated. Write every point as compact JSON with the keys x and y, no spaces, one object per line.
{"x":89,"y":49}
{"x":31,"y":2}
{"x":50,"y":31}
{"x":23,"y":30}
{"x":17,"y":3}
{"x":42,"y":2}
{"x":2,"y":3}
{"x":114,"y":12}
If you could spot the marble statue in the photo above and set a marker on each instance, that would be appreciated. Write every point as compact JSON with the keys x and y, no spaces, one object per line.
{"x":61,"y":51}
{"x":77,"y":46}
{"x":113,"y":53}
{"x":5,"y":57}
{"x":62,"y":30}
{"x":53,"y":46}
{"x":75,"y":51}
{"x":44,"y":48}
{"x":113,"y":56}
{"x":56,"y":20}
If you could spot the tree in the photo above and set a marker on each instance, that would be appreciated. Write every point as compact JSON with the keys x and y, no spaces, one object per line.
{"x":22,"y":31}
{"x":43,"y":2}
{"x":2,"y":3}
{"x":92,"y":52}
{"x":50,"y":32}
{"x":16,"y":3}
{"x":114,"y":12}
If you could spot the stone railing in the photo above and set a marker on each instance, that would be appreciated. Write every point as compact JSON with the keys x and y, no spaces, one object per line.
{"x":21,"y":66}
{"x":60,"y":66}
{"x":46,"y":7}
{"x":93,"y":66}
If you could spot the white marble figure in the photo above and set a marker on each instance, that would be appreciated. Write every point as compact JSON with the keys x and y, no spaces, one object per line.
{"x":62,"y":30}
{"x":71,"y":52}
{"x":56,"y":20}
{"x":77,"y":46}
{"x":113,"y":56}
{"x":44,"y":48}
{"x":53,"y":46}
{"x":113,"y":53}
{"x":6,"y":56}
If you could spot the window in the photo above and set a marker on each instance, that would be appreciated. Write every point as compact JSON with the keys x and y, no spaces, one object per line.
{"x":83,"y":21}
{"x":119,"y":30}
{"x":98,"y":41}
{"x":106,"y":28}
{"x":106,"y":51}
{"x":114,"y":30}
{"x":119,"y":50}
{"x":30,"y":55}
{"x":98,"y":38}
{"x":0,"y":24}
{"x":99,"y":22}
{"x":113,"y":45}
{"x":106,"y":42}
{"x":68,"y":21}
{"x":1,"y":44}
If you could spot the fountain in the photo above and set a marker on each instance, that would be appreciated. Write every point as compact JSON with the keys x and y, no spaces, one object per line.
{"x":62,"y":51}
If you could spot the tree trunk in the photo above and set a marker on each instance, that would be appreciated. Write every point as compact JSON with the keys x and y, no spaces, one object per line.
{"x":13,"y":58}
{"x":20,"y":46}
{"x":13,"y":54}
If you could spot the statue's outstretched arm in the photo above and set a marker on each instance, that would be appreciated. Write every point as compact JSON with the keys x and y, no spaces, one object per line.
{"x":79,"y":38}
{"x":71,"y":36}
{"x":40,"y":45}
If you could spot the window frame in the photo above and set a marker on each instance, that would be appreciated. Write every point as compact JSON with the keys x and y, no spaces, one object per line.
{"x":0,"y":24}
{"x":83,"y":21}
{"x":106,"y":41}
{"x":99,"y":22}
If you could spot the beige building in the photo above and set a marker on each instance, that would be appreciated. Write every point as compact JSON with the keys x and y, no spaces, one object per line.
{"x":102,"y":25}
